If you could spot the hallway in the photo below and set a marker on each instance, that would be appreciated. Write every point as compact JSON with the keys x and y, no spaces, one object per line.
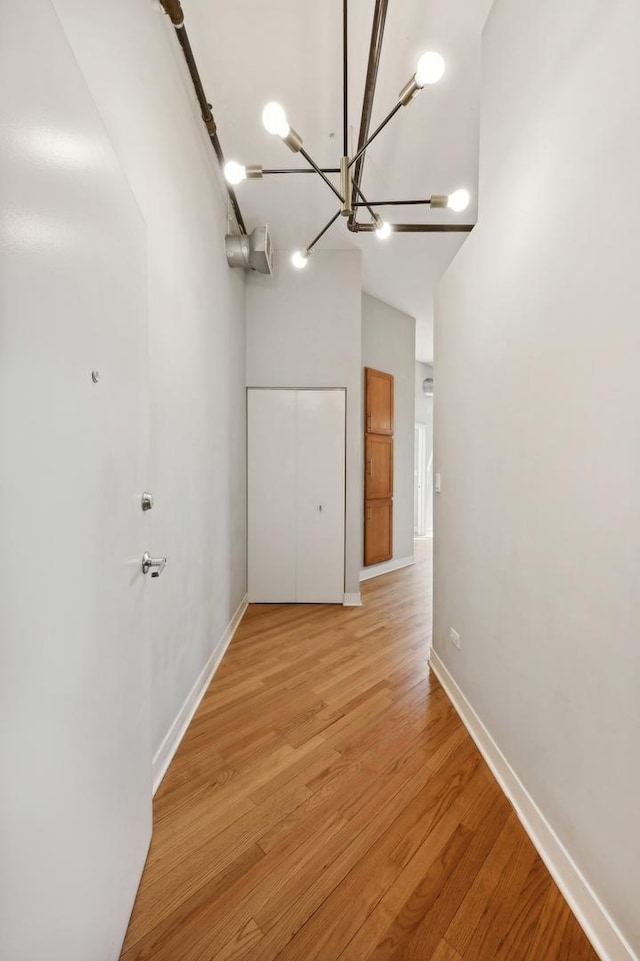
{"x":327,"y":803}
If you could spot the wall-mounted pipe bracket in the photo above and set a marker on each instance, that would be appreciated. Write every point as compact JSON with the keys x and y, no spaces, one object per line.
{"x":209,"y":122}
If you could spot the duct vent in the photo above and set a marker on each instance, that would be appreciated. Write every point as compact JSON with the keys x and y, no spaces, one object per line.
{"x":252,"y":251}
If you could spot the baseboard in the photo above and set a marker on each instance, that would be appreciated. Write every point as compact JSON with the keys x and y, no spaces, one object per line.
{"x":596,"y":922}
{"x":164,"y":754}
{"x":352,"y":600}
{"x":393,"y":565}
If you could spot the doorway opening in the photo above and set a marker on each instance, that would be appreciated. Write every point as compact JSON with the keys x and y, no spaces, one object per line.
{"x":423,"y":482}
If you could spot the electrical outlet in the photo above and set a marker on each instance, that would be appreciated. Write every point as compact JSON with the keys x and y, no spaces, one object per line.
{"x":454,"y":637}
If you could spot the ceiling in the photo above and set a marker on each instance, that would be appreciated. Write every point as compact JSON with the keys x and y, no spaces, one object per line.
{"x":252,"y":51}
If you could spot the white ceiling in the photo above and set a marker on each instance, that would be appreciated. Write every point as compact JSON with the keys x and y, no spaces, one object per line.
{"x":253,"y":51}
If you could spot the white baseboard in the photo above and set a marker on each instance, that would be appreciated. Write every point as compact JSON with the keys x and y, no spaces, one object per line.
{"x":352,"y":600}
{"x":393,"y":565}
{"x":596,"y":922}
{"x":164,"y":754}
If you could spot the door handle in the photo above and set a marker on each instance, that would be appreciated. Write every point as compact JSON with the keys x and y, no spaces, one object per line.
{"x":148,"y":562}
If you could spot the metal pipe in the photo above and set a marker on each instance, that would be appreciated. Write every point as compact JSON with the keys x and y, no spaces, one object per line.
{"x":417,"y":228}
{"x":345,"y":82}
{"x":375,"y":133}
{"x":375,"y":49}
{"x":300,"y":170}
{"x":323,"y":231}
{"x":319,"y":171}
{"x":173,"y":9}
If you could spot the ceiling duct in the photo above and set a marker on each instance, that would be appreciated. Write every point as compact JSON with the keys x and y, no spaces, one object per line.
{"x":251,"y":252}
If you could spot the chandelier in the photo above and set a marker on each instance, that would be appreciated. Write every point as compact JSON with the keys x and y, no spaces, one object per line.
{"x":429,"y":70}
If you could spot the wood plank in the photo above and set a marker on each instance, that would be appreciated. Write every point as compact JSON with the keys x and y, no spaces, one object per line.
{"x":484,"y":916}
{"x":558,"y":934}
{"x":444,"y":952}
{"x":427,"y":894}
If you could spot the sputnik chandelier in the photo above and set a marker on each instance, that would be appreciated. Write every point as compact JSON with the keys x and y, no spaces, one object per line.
{"x":429,"y":70}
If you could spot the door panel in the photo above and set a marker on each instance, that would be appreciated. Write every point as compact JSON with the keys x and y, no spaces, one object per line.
{"x":75,"y":807}
{"x":320,"y":496}
{"x":296,"y":492}
{"x":378,"y":531}
{"x":379,"y":401}
{"x":271,"y":495}
{"x":378,"y":478}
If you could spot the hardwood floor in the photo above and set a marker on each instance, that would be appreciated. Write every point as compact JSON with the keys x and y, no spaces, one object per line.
{"x":326,"y":803}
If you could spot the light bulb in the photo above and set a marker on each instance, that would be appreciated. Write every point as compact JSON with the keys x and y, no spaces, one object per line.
{"x":299,"y":259}
{"x":430,"y":68}
{"x":383,"y":231}
{"x":275,"y":119}
{"x":234,"y":172}
{"x":458,"y":200}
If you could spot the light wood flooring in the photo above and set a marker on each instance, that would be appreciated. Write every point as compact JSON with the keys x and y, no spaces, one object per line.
{"x":326,"y":803}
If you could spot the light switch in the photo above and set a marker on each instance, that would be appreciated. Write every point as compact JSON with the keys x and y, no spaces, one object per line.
{"x":438,"y":483}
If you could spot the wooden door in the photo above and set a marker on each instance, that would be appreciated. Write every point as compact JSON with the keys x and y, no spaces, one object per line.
{"x":378,"y":531}
{"x":378,"y":480}
{"x":378,"y":477}
{"x":75,"y":805}
{"x":379,"y":401}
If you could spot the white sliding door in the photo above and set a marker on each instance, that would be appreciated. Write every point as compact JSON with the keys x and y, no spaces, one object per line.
{"x":271,"y":492}
{"x":296,"y":495}
{"x":320,"y":496}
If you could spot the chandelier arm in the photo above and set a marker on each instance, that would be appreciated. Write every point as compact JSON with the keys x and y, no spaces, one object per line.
{"x":389,"y":203}
{"x":418,"y":228}
{"x":365,"y":202}
{"x":323,"y":175}
{"x":375,"y":133}
{"x":345,"y":82}
{"x":300,"y":170}
{"x":323,"y":231}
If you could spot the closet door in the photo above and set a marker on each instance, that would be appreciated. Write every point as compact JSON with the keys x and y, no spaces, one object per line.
{"x":378,"y":531}
{"x":378,"y":401}
{"x":271,"y":495}
{"x":378,"y":474}
{"x":320,"y":496}
{"x":378,"y":479}
{"x":296,"y":495}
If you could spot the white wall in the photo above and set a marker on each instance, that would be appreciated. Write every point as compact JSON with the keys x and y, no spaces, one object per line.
{"x":537,"y":430}
{"x":137,"y":76}
{"x":303,"y":330}
{"x":388,"y":344}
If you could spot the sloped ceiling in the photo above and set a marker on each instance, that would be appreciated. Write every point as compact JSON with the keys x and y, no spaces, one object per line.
{"x":253,"y":51}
